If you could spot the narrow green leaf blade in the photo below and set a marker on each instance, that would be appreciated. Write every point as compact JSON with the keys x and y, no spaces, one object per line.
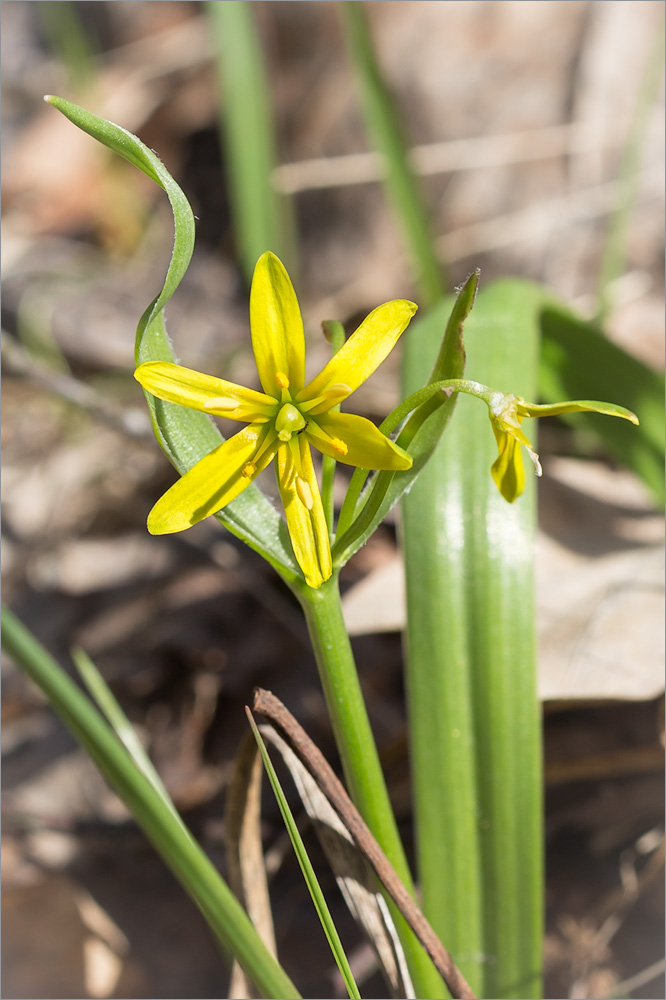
{"x":311,"y":880}
{"x":184,"y":435}
{"x":168,"y":836}
{"x":263,"y":219}
{"x":420,"y":436}
{"x":386,"y":132}
{"x":616,"y":243}
{"x":101,"y":692}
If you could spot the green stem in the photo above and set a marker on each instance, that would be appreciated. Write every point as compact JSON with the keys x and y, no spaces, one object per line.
{"x":359,"y":756}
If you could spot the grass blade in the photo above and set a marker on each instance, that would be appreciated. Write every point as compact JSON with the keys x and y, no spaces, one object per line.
{"x":386,"y":133}
{"x":262,"y":217}
{"x":181,"y":853}
{"x":474,"y":718}
{"x":100,"y":691}
{"x":314,"y":888}
{"x":615,"y":247}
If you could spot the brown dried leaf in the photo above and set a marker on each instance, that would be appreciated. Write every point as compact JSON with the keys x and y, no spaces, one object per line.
{"x":247,"y":873}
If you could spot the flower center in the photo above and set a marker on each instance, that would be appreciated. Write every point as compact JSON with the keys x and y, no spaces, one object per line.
{"x":289,"y":421}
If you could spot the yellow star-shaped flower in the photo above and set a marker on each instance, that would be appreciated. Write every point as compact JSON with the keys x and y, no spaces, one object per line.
{"x":283,"y":420}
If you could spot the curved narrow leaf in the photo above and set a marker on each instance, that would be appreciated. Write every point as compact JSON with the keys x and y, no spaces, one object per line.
{"x":185,"y":435}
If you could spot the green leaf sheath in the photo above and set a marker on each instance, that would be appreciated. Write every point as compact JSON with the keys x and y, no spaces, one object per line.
{"x":262,"y":218}
{"x":359,"y":756}
{"x":185,"y":435}
{"x":473,"y":712}
{"x":168,"y":836}
{"x":386,"y":134}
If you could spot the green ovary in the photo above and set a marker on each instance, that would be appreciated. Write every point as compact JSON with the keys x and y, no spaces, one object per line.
{"x":289,"y":421}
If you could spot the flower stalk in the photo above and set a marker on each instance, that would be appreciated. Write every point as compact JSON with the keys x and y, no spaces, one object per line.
{"x":358,"y":752}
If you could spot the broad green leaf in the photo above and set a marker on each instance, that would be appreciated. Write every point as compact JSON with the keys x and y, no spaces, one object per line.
{"x":185,"y":435}
{"x":471,"y":678}
{"x":579,"y":361}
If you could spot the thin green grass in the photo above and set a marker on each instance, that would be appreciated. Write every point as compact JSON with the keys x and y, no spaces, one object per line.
{"x":309,"y":875}
{"x":262,"y":218}
{"x":386,"y":132}
{"x":168,"y":835}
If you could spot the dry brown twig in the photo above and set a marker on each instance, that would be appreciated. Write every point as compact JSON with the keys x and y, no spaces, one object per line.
{"x":272,"y":708}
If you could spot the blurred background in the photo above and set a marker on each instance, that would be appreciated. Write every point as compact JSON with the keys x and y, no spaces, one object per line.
{"x":536,"y":132}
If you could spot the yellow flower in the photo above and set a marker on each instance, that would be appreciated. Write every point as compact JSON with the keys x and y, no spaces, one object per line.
{"x":283,"y":420}
{"x":508,"y":470}
{"x":507,"y":413}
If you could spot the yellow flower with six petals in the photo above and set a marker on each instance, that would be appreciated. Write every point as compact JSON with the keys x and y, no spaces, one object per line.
{"x":283,"y":420}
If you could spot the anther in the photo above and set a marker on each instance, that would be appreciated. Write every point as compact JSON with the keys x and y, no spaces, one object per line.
{"x":282,"y":380}
{"x":249,"y":470}
{"x":304,"y":493}
{"x":339,"y":390}
{"x":339,"y":446}
{"x":223,"y":403}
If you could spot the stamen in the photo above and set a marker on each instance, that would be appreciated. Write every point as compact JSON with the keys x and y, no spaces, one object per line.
{"x":304,"y":493}
{"x":337,"y":391}
{"x":282,"y":380}
{"x":535,"y":461}
{"x":320,"y":437}
{"x":249,"y":470}
{"x":331,"y":395}
{"x":224,"y":403}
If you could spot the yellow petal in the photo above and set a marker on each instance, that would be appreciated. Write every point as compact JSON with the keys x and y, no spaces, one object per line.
{"x":508,"y":470}
{"x":307,"y":524}
{"x":362,"y":353}
{"x":366,"y":446}
{"x":278,"y":341}
{"x":204,"y":392}
{"x":212,"y":483}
